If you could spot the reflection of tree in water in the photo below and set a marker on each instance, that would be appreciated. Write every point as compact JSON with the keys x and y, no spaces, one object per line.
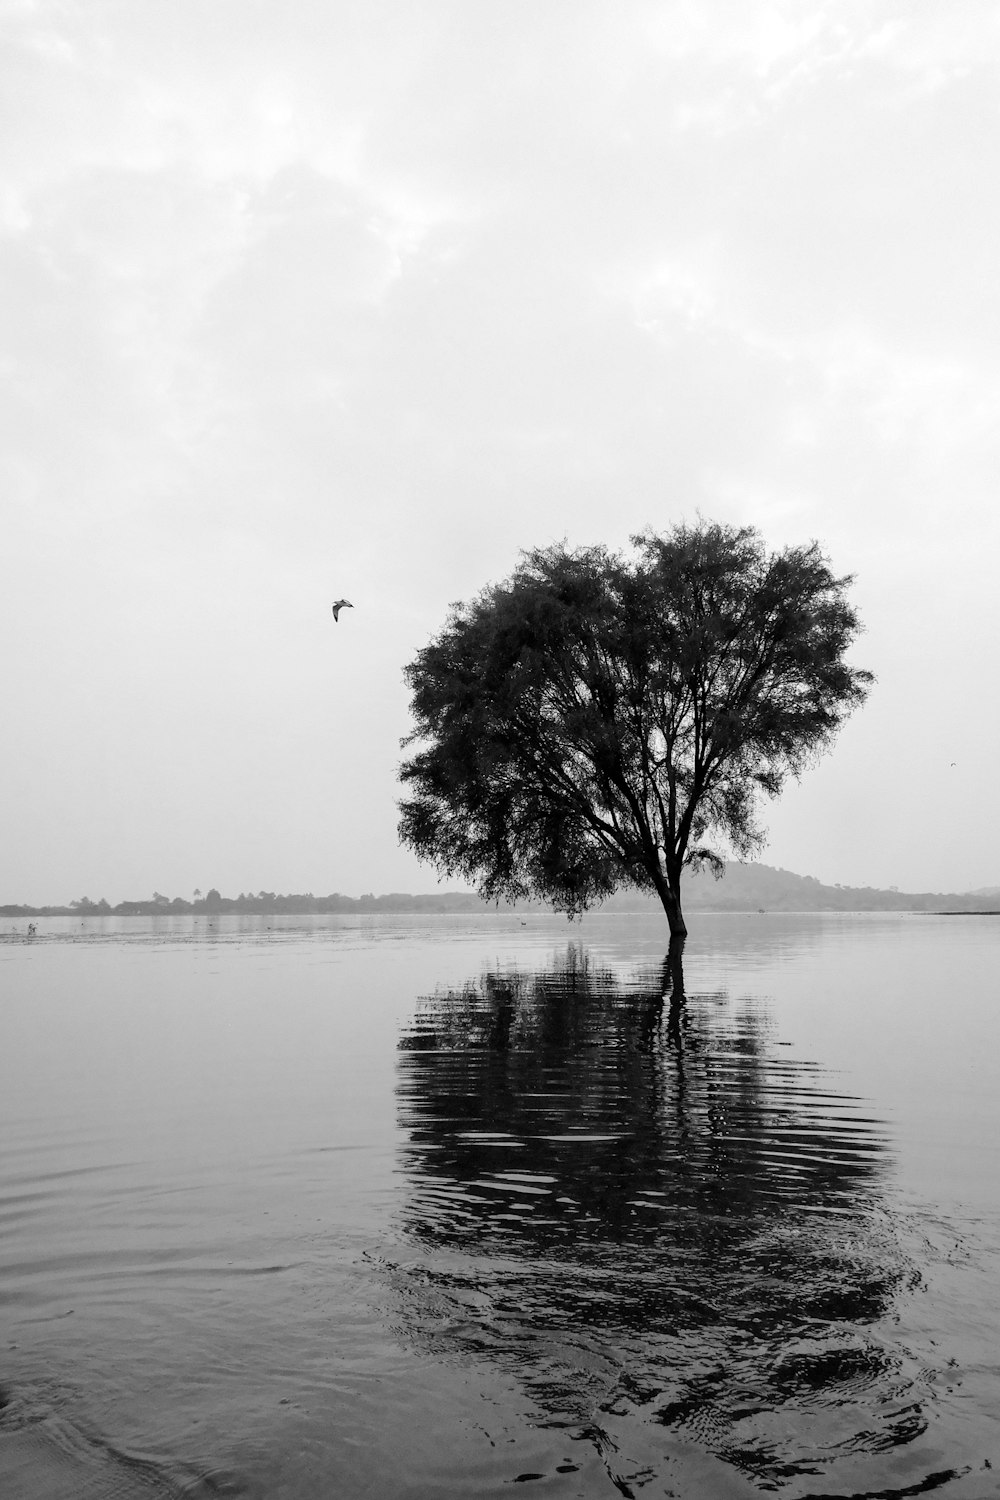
{"x":654,"y":1223}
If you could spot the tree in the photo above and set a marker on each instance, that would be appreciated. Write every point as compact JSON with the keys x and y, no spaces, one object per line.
{"x":589,"y":722}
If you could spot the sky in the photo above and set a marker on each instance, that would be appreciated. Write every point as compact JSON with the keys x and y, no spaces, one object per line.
{"x":314,"y":299}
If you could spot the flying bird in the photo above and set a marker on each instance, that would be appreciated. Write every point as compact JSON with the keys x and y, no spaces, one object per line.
{"x":339,"y":605}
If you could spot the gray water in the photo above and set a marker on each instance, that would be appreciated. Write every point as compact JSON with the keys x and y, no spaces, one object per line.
{"x":406,"y":1207}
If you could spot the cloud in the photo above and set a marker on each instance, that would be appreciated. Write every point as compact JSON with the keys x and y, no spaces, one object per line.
{"x":372,"y":295}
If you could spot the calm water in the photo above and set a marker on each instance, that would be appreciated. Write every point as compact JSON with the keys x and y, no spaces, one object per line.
{"x":312,"y":1208}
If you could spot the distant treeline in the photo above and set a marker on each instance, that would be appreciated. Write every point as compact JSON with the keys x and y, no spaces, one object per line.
{"x":744,"y":887}
{"x":263,"y":903}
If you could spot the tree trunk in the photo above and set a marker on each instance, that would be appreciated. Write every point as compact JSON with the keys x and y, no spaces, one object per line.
{"x":668,"y":888}
{"x":673,"y":973}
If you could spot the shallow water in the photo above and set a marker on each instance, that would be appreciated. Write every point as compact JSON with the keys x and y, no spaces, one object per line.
{"x":414,"y":1207}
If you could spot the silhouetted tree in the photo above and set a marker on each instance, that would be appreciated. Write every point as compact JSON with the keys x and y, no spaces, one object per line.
{"x":587,"y":723}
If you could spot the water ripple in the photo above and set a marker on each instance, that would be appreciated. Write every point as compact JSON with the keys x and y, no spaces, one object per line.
{"x":671,"y":1236}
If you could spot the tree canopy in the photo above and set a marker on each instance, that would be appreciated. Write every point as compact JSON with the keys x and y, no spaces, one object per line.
{"x":593,"y":720}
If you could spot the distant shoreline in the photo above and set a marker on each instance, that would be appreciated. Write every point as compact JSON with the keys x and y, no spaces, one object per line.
{"x":743,"y":888}
{"x":968,"y":912}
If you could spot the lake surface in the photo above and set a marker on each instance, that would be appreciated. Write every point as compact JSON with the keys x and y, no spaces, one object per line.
{"x":319,"y":1207}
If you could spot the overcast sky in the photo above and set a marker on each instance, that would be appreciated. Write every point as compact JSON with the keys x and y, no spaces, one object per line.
{"x":313,"y":298}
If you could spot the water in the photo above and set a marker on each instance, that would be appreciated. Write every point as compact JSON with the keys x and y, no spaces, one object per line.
{"x":320,"y":1207}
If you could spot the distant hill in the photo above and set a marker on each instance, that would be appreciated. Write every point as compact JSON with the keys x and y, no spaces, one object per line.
{"x":744,"y":887}
{"x":755,"y":887}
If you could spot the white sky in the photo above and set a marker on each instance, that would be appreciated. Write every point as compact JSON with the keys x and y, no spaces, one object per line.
{"x":314,"y":298}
